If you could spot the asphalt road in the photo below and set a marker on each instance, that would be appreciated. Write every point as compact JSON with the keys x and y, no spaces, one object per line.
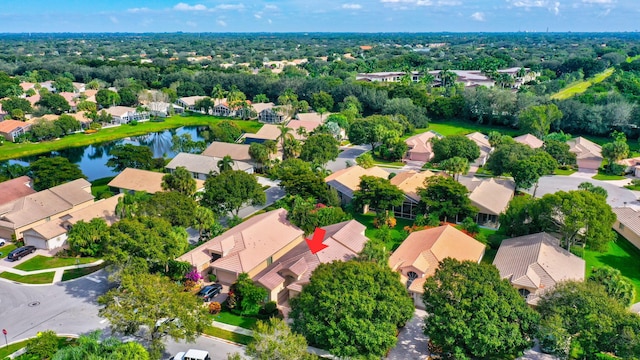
{"x":617,"y":196}
{"x":348,"y":154}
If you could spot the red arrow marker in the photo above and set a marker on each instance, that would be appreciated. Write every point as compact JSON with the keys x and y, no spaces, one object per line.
{"x":315,"y":243}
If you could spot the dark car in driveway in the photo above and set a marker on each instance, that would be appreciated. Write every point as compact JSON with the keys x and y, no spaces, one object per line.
{"x":21,"y":252}
{"x":208,"y":292}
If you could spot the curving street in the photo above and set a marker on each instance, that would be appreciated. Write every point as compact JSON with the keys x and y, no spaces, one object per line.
{"x":617,"y":197}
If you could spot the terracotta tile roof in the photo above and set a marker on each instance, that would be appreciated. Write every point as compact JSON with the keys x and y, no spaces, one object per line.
{"x":529,"y":140}
{"x":27,"y":85}
{"x":8,"y":126}
{"x":15,"y":188}
{"x":308,"y":125}
{"x":345,"y":240}
{"x":538,"y":263}
{"x":247,"y":245}
{"x":482,"y":141}
{"x":142,"y":180}
{"x":33,"y":99}
{"x":258,"y":107}
{"x":585,"y":149}
{"x":422,"y":251}
{"x":410,"y":181}
{"x":239,"y":152}
{"x":421,"y":143}
{"x":628,"y":217}
{"x":348,"y":180}
{"x":202,"y":164}
{"x":191,"y":100}
{"x":313,"y":117}
{"x":490,"y":196}
{"x":266,"y":132}
{"x":119,"y":110}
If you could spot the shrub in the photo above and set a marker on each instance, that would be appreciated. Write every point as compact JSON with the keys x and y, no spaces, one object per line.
{"x":269,"y":310}
{"x":90,"y":131}
{"x":194,"y":275}
{"x":214,"y":308}
{"x":133,"y":122}
{"x":43,"y":346}
{"x":577,"y":250}
{"x":213,"y":277}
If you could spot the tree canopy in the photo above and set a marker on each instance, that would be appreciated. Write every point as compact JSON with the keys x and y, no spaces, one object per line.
{"x":379,"y":194}
{"x":274,"y":340}
{"x":454,"y":145}
{"x":320,"y":149}
{"x":445,"y":198}
{"x":230,"y":190}
{"x":473,"y":313}
{"x":352,"y":309}
{"x":180,"y":180}
{"x":130,"y":156}
{"x":48,"y":172}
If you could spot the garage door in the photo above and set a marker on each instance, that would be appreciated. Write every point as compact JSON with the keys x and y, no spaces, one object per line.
{"x":38,"y":243}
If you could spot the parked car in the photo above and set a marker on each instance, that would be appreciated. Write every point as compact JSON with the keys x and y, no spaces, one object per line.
{"x":21,"y":252}
{"x":192,"y":354}
{"x":210,"y":291}
{"x":2,"y":242}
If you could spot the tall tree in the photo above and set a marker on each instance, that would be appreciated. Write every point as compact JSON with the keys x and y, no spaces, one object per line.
{"x":456,"y":166}
{"x":538,"y":119}
{"x":616,"y":150}
{"x":526,"y":173}
{"x":454,"y":145}
{"x":158,"y":305}
{"x":49,"y":172}
{"x":203,"y":219}
{"x":379,"y":194}
{"x":322,"y":100}
{"x":106,"y":98}
{"x":560,"y":151}
{"x":297,"y":178}
{"x":230,"y":190}
{"x":88,"y":238}
{"x":130,"y":156}
{"x":473,"y":313}
{"x":286,"y":133}
{"x":225,"y":164}
{"x":259,"y":154}
{"x":273,"y":339}
{"x":54,"y":102}
{"x":506,"y":155}
{"x":320,"y":149}
{"x":617,"y":286}
{"x":181,"y":181}
{"x":445,"y":198}
{"x":352,"y":309}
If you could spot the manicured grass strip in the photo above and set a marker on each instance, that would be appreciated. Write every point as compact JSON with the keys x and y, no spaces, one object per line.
{"x":6,"y":351}
{"x":397,"y":234}
{"x":99,"y":186}
{"x":5,"y":250}
{"x":461,"y":127}
{"x":582,"y":86}
{"x":227,"y":335}
{"x":563,"y":172}
{"x":622,"y":255}
{"x":42,"y":278}
{"x":40,"y":262}
{"x":12,"y":150}
{"x":633,"y":187}
{"x":80,"y":272}
{"x":601,"y":176}
{"x":227,"y":317}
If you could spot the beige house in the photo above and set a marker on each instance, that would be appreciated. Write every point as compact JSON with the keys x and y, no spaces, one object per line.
{"x":131,"y":180}
{"x":491,"y":197}
{"x":632,"y":166}
{"x":12,"y":129}
{"x":14,"y":189}
{"x":238,"y":152}
{"x":588,"y":153}
{"x":420,"y":254}
{"x":125,"y":114}
{"x":36,"y":209}
{"x":346,"y":181}
{"x":248,"y":248}
{"x":201,"y":166}
{"x":420,"y":146}
{"x":627,"y":224}
{"x":189,"y":102}
{"x":53,"y":234}
{"x":409,"y":182}
{"x":274,"y":114}
{"x":535,"y":263}
{"x":313,"y":116}
{"x":266,"y":132}
{"x":285,"y":278}
{"x":482,"y":141}
{"x":307,"y":125}
{"x":529,"y":140}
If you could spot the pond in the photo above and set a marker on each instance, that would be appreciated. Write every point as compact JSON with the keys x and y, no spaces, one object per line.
{"x":92,"y":159}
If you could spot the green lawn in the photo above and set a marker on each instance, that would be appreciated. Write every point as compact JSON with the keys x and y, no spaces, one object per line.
{"x":493,"y":239}
{"x":227,"y":335}
{"x":12,"y":151}
{"x":233,"y":319}
{"x":5,"y":250}
{"x":6,"y":351}
{"x":630,"y":187}
{"x":564,"y":172}
{"x":71,"y":274}
{"x":461,"y":127}
{"x":40,"y":262}
{"x":581,"y":86}
{"x":42,"y":278}
{"x":100,"y":186}
{"x":622,"y":255}
{"x":602,"y":176}
{"x":397,"y":233}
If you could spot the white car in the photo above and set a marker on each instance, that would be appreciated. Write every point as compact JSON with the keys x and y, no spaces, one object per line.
{"x":192,"y":354}
{"x":2,"y":242}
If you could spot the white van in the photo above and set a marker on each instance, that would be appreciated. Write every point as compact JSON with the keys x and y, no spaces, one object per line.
{"x":192,"y":354}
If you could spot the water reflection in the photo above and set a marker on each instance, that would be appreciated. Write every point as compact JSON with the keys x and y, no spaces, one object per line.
{"x":92,"y":159}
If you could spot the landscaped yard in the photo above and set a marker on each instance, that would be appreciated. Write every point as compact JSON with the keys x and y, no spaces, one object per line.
{"x":460,"y":127}
{"x":6,"y":351}
{"x":227,"y":335}
{"x":12,"y":150}
{"x":5,"y":250}
{"x":100,"y":186}
{"x":40,"y":262}
{"x":622,"y":255}
{"x":603,"y":176}
{"x":493,"y":239}
{"x":564,"y":172}
{"x":397,"y":233}
{"x":71,"y":274}
{"x":42,"y":278}
{"x":233,"y":319}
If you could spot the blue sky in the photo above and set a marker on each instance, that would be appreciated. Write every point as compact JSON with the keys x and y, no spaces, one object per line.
{"x":318,"y":15}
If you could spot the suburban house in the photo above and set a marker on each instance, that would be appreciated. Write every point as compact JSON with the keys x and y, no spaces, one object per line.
{"x":201,"y":166}
{"x":35,"y":209}
{"x":163,"y":109}
{"x":238,"y":152}
{"x":125,"y":114}
{"x":482,"y":141}
{"x":529,"y":140}
{"x":189,"y":102}
{"x":491,"y":197}
{"x":420,"y":147}
{"x":259,"y":107}
{"x":71,"y":98}
{"x":274,"y":114}
{"x":131,"y":180}
{"x":632,"y":166}
{"x":588,"y":153}
{"x":313,"y":116}
{"x":249,"y":247}
{"x":266,"y":132}
{"x":285,"y":277}
{"x":627,"y":224}
{"x":535,"y":263}
{"x":14,"y":189}
{"x":53,"y":234}
{"x":389,"y":76}
{"x":301,"y":128}
{"x":420,"y":254}
{"x":12,"y":129}
{"x":346,"y":181}
{"x":409,"y":182}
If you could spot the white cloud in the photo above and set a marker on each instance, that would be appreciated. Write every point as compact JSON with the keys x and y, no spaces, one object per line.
{"x":478,"y":16}
{"x":403,"y":3}
{"x":598,"y":1}
{"x":187,"y":7}
{"x":230,"y":7}
{"x":191,"y":23}
{"x":554,"y":7}
{"x":257,"y":15}
{"x":269,"y":21}
{"x":270,"y":7}
{"x":139,"y":10}
{"x":114,"y":19}
{"x":352,"y":6}
{"x":221,"y":22}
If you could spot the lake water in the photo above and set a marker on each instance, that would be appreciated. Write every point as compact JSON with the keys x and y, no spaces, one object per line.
{"x":92,"y":159}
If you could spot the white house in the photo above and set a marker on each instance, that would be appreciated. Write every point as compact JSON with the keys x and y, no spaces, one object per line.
{"x":125,"y":114}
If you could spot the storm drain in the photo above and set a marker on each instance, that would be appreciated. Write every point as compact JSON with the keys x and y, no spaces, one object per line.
{"x":33,"y":304}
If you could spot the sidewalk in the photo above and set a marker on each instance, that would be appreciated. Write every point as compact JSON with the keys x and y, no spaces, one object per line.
{"x":59,"y":271}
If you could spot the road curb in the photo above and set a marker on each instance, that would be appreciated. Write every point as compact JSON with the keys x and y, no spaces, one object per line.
{"x":222,"y":340}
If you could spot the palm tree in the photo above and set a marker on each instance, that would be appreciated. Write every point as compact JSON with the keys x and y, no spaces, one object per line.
{"x":448,"y":78}
{"x":225,"y":164}
{"x":291,"y":148}
{"x":456,"y":166}
{"x":285,"y":133}
{"x":218,"y":92}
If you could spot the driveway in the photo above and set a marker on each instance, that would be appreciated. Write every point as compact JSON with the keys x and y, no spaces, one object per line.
{"x":412,"y":342}
{"x":617,"y":197}
{"x":348,"y":154}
